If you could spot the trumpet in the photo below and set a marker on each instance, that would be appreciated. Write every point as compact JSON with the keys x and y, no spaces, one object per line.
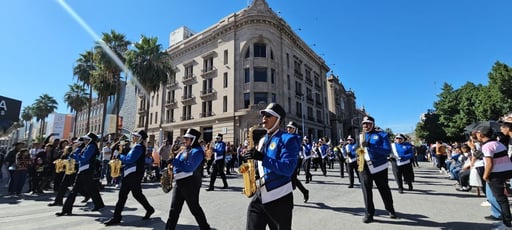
{"x":360,"y":152}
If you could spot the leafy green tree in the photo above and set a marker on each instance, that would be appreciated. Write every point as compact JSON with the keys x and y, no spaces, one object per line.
{"x":151,"y":66}
{"x":118,"y":45}
{"x":26,"y":116}
{"x":430,"y":129}
{"x":42,"y":107}
{"x":76,"y":97}
{"x":83,"y":70}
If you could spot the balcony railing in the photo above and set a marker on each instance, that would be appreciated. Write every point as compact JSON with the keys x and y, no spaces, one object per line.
{"x":186,"y":118}
{"x":188,"y":99}
{"x":188,"y":79}
{"x":172,"y":85}
{"x":207,"y":114}
{"x":171,"y":104}
{"x":209,"y":73}
{"x":207,"y":94}
{"x":299,"y":75}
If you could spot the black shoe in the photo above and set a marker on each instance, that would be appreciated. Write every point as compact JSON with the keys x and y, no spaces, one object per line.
{"x":148,"y":214}
{"x":392,"y":215}
{"x":63,"y":214}
{"x":209,"y":189}
{"x":307,"y":182}
{"x":410,"y":187}
{"x":225,"y":186}
{"x":112,"y":221}
{"x":350,"y":186}
{"x":400,"y":190}
{"x":85,"y":200}
{"x":55,"y":204}
{"x":367,"y":219}
{"x":492,"y":218}
{"x":306,"y":196}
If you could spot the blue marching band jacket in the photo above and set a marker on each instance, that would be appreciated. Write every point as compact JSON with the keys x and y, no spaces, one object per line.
{"x":220,"y":150}
{"x":402,"y":152}
{"x":132,"y":158}
{"x":85,"y":157}
{"x":281,"y":152}
{"x":349,"y":152}
{"x":186,"y":162}
{"x":377,"y":150}
{"x":306,"y":150}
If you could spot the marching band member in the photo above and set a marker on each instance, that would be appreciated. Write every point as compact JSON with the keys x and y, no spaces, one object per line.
{"x":276,"y":155}
{"x":219,"y":150}
{"x":351,"y":158}
{"x":187,"y":174}
{"x":133,"y":172}
{"x":401,"y":162}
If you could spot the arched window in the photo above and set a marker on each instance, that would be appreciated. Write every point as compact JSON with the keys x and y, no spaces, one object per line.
{"x":260,"y":50}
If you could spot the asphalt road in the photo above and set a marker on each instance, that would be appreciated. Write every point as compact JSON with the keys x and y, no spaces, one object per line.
{"x":434,"y":204}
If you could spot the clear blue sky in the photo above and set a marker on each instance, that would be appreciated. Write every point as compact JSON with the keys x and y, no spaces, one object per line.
{"x":394,"y":54}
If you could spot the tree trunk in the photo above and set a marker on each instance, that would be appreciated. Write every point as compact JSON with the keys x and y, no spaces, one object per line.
{"x":146,"y":125}
{"x":87,"y":128}
{"x":117,"y":106}
{"x":103,"y":122}
{"x":74,"y":123}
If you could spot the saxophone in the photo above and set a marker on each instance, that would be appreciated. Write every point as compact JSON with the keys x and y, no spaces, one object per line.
{"x":115,"y":167}
{"x":360,"y":152}
{"x":167,"y":178}
{"x":248,"y":169}
{"x":59,"y":165}
{"x":70,"y":166}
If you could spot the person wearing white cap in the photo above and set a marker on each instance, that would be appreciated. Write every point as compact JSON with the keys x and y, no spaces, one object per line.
{"x":377,"y":149}
{"x":351,"y":158}
{"x":276,"y":157}
{"x":187,"y":175}
{"x":292,"y":129}
{"x":84,"y":179}
{"x":133,"y":163}
{"x":306,"y":151}
{"x":219,"y":150}
{"x":338,"y":152}
{"x":402,"y":152}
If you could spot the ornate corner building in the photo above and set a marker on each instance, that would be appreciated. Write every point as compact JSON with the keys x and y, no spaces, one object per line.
{"x":229,"y":71}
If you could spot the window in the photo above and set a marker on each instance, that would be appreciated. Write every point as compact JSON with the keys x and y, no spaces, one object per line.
{"x":271,"y":55}
{"x":247,"y":75}
{"x":225,"y":57}
{"x":206,"y":109}
{"x":260,"y":97}
{"x":208,"y":64}
{"x":247,"y":53}
{"x":298,"y":108}
{"x":272,"y":76}
{"x":260,"y":74}
{"x":288,"y":80}
{"x":167,"y":116}
{"x":186,"y":115}
{"x":207,"y":86}
{"x":156,"y":117}
{"x":287,"y":60}
{"x":151,"y":118}
{"x":189,"y":71}
{"x":187,"y":91}
{"x":225,"y":83}
{"x":273,"y":99}
{"x":260,"y":50}
{"x":225,"y":104}
{"x":247,"y":100}
{"x":298,"y":88}
{"x":157,"y":98}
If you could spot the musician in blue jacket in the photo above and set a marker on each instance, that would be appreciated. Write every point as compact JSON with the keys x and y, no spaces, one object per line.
{"x":349,"y":152}
{"x":187,"y":174}
{"x":377,"y":149}
{"x":276,"y":157}
{"x":291,"y":128}
{"x":84,"y":179}
{"x":219,"y":150}
{"x":133,"y":163}
{"x":306,"y":151}
{"x":402,"y":152}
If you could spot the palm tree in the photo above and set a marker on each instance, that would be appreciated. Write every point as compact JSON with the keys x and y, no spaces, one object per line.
{"x":76,"y":97}
{"x":119,"y":45}
{"x":83,"y":71}
{"x":26,"y":116}
{"x":105,"y":87}
{"x":42,"y":107}
{"x":151,"y":67}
